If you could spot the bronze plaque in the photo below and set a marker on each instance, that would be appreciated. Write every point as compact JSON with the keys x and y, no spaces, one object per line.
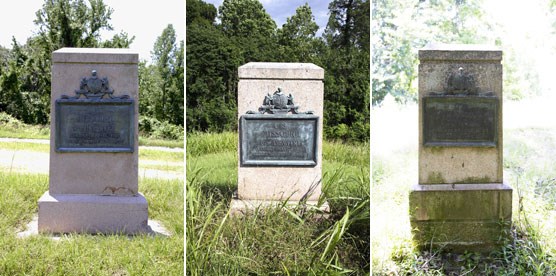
{"x":88,"y":125}
{"x":460,"y":121}
{"x":278,"y":140}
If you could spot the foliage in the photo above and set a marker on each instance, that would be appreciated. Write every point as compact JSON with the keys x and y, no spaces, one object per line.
{"x":212,"y":61}
{"x":153,"y":128}
{"x":400,"y":28}
{"x":297,"y":37}
{"x":13,"y":128}
{"x":25,"y":69}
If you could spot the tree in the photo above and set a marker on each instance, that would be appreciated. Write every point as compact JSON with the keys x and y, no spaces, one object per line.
{"x":199,"y":12}
{"x":346,"y":94}
{"x":25,"y":79}
{"x":65,"y":23}
{"x":348,"y":24}
{"x":251,"y":28}
{"x":298,"y":36}
{"x":245,"y":18}
{"x":211,"y":72}
{"x":164,"y":48}
{"x":400,"y":28}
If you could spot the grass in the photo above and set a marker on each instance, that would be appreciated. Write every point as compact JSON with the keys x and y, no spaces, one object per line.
{"x":25,"y":146}
{"x":154,"y":154}
{"x":89,"y":254}
{"x":528,"y":169}
{"x":12,"y":128}
{"x":274,"y":241}
{"x":149,"y":158}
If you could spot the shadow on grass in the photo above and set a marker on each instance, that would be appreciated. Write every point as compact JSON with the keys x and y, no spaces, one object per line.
{"x":220,"y":191}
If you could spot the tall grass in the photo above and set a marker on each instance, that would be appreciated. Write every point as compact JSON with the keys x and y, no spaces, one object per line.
{"x":202,"y":143}
{"x":273,"y":240}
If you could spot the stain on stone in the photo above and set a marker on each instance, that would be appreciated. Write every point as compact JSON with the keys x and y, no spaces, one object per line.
{"x":117,"y":191}
{"x":471,"y":180}
{"x":435,"y":178}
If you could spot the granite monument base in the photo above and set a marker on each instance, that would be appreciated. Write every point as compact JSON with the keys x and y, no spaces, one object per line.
{"x":93,"y":214}
{"x":460,"y":217}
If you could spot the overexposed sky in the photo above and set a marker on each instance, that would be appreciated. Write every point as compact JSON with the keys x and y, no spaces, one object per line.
{"x":143,"y":19}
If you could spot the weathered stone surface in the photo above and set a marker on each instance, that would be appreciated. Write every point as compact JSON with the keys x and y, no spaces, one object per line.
{"x":304,"y":82}
{"x":454,"y":164}
{"x":94,"y":192}
{"x":460,"y":52}
{"x":280,"y":71}
{"x":461,"y":202}
{"x":93,"y":214}
{"x":95,"y":55}
{"x":460,"y":217}
{"x":93,"y":173}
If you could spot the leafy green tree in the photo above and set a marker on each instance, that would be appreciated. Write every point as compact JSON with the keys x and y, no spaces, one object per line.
{"x":163,"y":50}
{"x":251,"y":28}
{"x":25,"y":77}
{"x":176,"y":95}
{"x":65,"y":23}
{"x":199,"y":12}
{"x":346,"y":89}
{"x":298,"y":36}
{"x":211,"y":72}
{"x":245,"y":18}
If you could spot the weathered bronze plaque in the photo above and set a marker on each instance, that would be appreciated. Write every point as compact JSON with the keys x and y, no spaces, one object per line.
{"x":90,"y":125}
{"x":460,"y":121}
{"x":278,"y":140}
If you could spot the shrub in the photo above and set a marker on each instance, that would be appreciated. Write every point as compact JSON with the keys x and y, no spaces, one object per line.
{"x":154,"y":128}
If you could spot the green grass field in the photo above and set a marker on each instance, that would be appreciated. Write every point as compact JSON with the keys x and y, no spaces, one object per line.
{"x":275,"y":241}
{"x":90,"y":254}
{"x":528,"y":168}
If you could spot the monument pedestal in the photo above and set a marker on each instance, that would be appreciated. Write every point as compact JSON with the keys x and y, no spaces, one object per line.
{"x":461,"y":202}
{"x":459,"y":217}
{"x":93,"y":214}
{"x":93,"y":178}
{"x":280,"y":111}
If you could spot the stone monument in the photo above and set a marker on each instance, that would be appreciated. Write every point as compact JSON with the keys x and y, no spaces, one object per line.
{"x":461,"y":201}
{"x":93,"y":186}
{"x":280,"y":107}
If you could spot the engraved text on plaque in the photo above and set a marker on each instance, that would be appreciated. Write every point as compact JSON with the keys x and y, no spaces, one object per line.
{"x":278,"y":140}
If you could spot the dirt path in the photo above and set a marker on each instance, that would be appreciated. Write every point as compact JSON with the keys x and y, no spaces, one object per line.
{"x":38,"y":162}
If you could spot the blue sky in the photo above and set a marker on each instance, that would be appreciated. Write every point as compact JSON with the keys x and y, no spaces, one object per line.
{"x":280,"y":10}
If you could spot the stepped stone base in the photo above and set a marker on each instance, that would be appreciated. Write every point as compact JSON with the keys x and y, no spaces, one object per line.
{"x":94,"y":214}
{"x":460,"y":217}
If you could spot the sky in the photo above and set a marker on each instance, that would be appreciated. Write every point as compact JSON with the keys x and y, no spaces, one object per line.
{"x":280,"y":10}
{"x":143,"y":19}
